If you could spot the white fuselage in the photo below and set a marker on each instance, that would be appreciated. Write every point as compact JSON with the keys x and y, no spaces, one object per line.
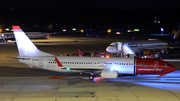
{"x":122,"y":65}
{"x":136,"y":46}
{"x":154,"y":44}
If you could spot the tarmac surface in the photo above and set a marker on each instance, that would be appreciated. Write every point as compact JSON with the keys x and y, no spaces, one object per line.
{"x":19,"y":82}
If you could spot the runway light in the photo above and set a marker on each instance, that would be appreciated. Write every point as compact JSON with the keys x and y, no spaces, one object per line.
{"x":118,"y":32}
{"x":7,"y":29}
{"x":64,"y":30}
{"x":82,"y":30}
{"x":136,"y":30}
{"x":109,"y":30}
{"x":128,"y":30}
{"x":73,"y":29}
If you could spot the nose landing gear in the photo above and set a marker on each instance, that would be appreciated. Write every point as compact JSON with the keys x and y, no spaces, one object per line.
{"x":159,"y":77}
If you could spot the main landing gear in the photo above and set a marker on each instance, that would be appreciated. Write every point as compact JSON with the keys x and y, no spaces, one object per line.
{"x":91,"y":76}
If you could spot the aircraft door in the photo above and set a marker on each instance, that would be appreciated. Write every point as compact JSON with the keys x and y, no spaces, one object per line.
{"x":156,"y":65}
{"x":119,"y":45}
{"x":41,"y":62}
{"x":102,"y":64}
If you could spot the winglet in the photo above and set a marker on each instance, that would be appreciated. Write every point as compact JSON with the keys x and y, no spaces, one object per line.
{"x":176,"y":31}
{"x":16,"y":27}
{"x":58,"y":62}
{"x":80,"y":54}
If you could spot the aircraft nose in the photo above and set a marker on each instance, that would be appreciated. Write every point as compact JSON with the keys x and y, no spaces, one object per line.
{"x":108,"y":49}
{"x":172,"y":68}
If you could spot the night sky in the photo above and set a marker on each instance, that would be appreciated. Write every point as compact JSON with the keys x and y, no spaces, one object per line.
{"x":98,"y":13}
{"x":119,"y":4}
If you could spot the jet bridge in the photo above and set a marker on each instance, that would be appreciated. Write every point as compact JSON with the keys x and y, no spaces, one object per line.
{"x":120,"y":47}
{"x":124,"y":48}
{"x":127,"y":49}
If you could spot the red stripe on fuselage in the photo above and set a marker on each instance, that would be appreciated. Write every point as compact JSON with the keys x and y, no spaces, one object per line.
{"x":152,"y":66}
{"x":58,"y":62}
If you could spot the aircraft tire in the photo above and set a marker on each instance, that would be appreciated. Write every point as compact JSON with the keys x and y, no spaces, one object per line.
{"x":91,"y":77}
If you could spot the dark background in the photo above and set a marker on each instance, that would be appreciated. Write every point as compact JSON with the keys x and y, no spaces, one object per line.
{"x":99,"y":15}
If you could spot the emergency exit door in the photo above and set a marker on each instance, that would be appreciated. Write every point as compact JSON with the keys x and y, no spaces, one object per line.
{"x":41,"y":62}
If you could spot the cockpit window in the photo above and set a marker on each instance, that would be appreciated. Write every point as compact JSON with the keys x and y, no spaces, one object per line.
{"x":166,"y":64}
{"x":113,"y":45}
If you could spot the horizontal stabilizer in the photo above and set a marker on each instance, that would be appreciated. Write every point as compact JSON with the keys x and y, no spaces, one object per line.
{"x":23,"y":58}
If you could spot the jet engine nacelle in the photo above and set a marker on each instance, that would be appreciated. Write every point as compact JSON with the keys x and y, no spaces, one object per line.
{"x":109,"y":74}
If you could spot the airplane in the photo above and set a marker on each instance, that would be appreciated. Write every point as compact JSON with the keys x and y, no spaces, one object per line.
{"x":132,"y":47}
{"x":108,"y":68}
{"x":32,"y":35}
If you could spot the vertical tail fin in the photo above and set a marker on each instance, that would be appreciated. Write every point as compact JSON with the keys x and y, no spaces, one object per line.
{"x":25,"y":46}
{"x":49,"y":28}
{"x":176,"y":31}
